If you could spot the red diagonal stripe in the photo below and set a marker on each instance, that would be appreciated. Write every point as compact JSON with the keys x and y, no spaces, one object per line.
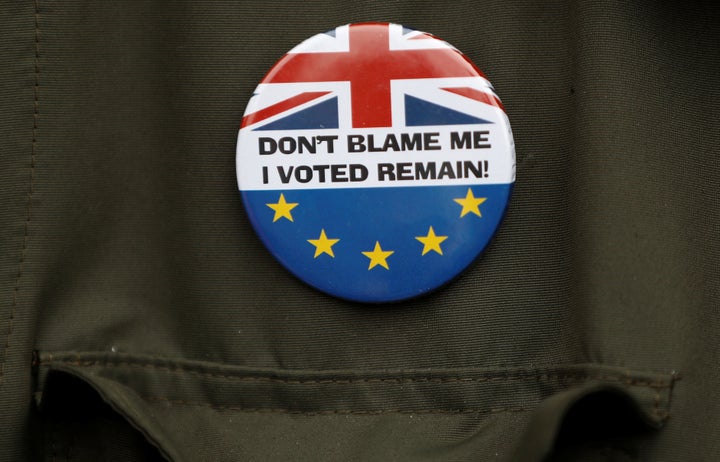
{"x":477,"y":95}
{"x":282,"y":106}
{"x":370,"y":66}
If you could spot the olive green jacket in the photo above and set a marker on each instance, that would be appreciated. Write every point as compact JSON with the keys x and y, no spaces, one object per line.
{"x":141,"y":318}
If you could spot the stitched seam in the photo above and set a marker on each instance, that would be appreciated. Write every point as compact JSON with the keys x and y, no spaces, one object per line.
{"x":28,"y":206}
{"x":541,"y":377}
{"x":664,"y":413}
{"x":661,"y":405}
{"x":657,"y":402}
{"x":235,"y":408}
{"x":668,"y":402}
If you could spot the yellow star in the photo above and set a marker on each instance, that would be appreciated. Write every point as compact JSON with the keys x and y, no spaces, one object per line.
{"x":323,"y":244}
{"x":378,"y":256}
{"x":431,"y":242}
{"x":470,"y":203}
{"x":282,"y":208}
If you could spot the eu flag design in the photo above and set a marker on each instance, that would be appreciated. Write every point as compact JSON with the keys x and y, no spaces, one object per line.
{"x":375,"y":162}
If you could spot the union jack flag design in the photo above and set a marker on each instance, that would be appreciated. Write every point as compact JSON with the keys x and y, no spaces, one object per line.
{"x":375,"y":162}
{"x":358,"y":76}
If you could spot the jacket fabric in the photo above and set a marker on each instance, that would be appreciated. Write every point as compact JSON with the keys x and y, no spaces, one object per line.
{"x":142,"y":319}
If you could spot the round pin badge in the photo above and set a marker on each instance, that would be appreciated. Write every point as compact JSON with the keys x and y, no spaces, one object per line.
{"x":375,"y":162}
